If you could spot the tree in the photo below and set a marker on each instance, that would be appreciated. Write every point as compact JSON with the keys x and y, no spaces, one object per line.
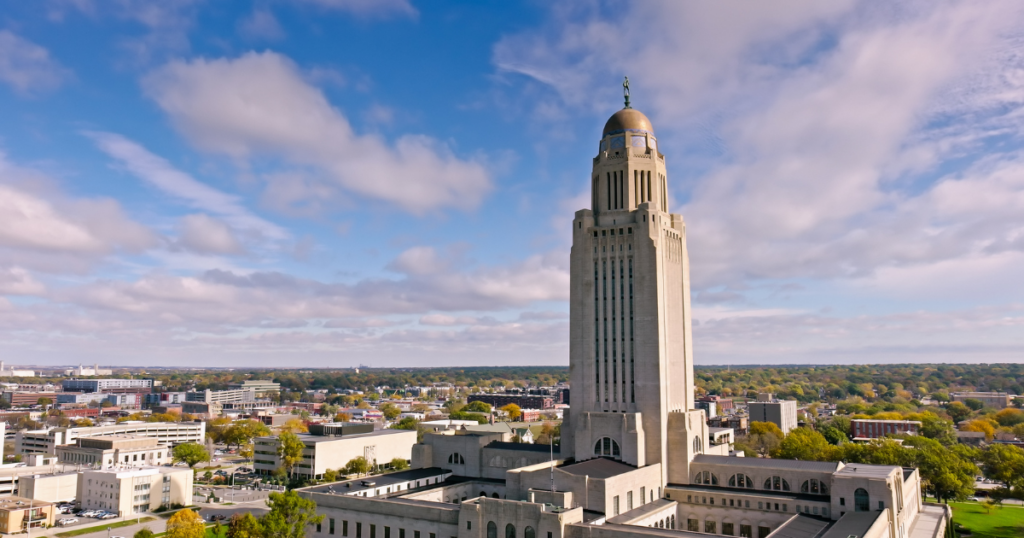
{"x":980,"y":425}
{"x":974,"y":403}
{"x":244,"y":525}
{"x":289,"y":449}
{"x":45,"y":402}
{"x":289,"y":515}
{"x":833,"y":435}
{"x":357,"y":466}
{"x":294,"y":425}
{"x":937,"y":428}
{"x":399,"y":464}
{"x":390,"y":410}
{"x":512,"y":410}
{"x":958,"y":411}
{"x":407,"y":423}
{"x":190,"y":453}
{"x":947,"y":472}
{"x":1004,"y":463}
{"x":185,"y":524}
{"x":478,"y":407}
{"x":804,"y":444}
{"x":330,"y":475}
{"x":244,"y":431}
{"x":144,"y":532}
{"x":764,"y":437}
{"x":1010,"y":417}
{"x":342,"y":417}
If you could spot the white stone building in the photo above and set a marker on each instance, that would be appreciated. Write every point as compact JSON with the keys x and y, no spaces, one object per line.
{"x":167,"y":433}
{"x":635,"y":457}
{"x":134,"y":491}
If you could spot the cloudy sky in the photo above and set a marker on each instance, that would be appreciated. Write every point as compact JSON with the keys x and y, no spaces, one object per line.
{"x":391,"y":182}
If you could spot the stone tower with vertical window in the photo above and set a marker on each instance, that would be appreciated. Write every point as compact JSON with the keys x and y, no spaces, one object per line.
{"x":631,"y":355}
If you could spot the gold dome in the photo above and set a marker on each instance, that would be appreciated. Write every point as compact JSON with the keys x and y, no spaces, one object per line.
{"x":627,"y":118}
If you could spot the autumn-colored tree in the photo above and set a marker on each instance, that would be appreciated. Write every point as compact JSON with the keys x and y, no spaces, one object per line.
{"x":294,"y":425}
{"x":980,"y":425}
{"x":185,"y":524}
{"x":512,"y":410}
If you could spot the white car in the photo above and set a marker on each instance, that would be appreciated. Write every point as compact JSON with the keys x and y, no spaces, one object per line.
{"x":108,"y":515}
{"x":67,"y":521}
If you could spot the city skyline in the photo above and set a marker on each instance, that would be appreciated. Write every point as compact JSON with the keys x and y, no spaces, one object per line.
{"x":333,"y":183}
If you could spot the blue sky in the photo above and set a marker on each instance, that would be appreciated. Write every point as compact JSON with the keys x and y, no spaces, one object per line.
{"x":336,"y":182}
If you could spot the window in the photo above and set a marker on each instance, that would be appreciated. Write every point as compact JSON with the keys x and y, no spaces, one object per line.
{"x":359,"y":530}
{"x":373,"y":531}
{"x":456,"y":459}
{"x":861,"y":501}
{"x":615,"y":505}
{"x":330,"y":526}
{"x":746,"y":504}
{"x":401,"y":533}
{"x":387,"y":532}
{"x":814,"y":486}
{"x":689,"y":498}
{"x":510,"y":531}
{"x":469,"y":525}
{"x":529,"y":533}
{"x":606,"y":446}
{"x":629,"y":500}
{"x":415,"y":534}
{"x":344,"y":527}
{"x":842,"y":501}
{"x":776,"y":483}
{"x":881,"y":505}
{"x":740,"y":480}
{"x":492,"y":530}
{"x":727,"y":529}
{"x":785,"y":508}
{"x":710,"y":527}
{"x":763,"y":532}
{"x":760,"y":506}
{"x":705,"y":478}
{"x":692,"y":525}
{"x":745,"y":531}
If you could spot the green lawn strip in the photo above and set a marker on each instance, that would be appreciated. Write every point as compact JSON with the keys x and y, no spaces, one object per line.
{"x":209,"y":531}
{"x":98,"y":528}
{"x":1004,"y":521}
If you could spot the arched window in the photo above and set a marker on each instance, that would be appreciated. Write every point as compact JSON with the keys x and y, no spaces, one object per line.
{"x":483,"y":494}
{"x":456,"y":459}
{"x":705,"y":478}
{"x":492,"y":530}
{"x":606,"y":446}
{"x":495,"y":495}
{"x":814,"y":486}
{"x":861,"y":501}
{"x":740,"y":480}
{"x":510,"y":531}
{"x":529,"y":533}
{"x":776,"y":483}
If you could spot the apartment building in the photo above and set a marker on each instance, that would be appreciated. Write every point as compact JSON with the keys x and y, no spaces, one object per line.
{"x":18,"y":514}
{"x":115,"y":451}
{"x":874,"y":429}
{"x":107,"y":385}
{"x":767,"y":408}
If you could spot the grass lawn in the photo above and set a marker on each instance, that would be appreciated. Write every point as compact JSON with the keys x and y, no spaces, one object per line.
{"x":103,"y":527}
{"x":1003,"y":522}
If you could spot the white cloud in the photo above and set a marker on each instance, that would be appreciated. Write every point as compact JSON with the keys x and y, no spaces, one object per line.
{"x":162,"y":175}
{"x":816,"y":129}
{"x":207,"y":235}
{"x":39,"y":221}
{"x":27,"y":67}
{"x":259,"y":105}
{"x":18,"y":281}
{"x":261,"y":24}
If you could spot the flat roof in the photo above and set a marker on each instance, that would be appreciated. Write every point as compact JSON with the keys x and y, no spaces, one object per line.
{"x":754,"y":492}
{"x":598,"y":468}
{"x":769,"y":463}
{"x":312,"y":438}
{"x":529,"y":447}
{"x":384,"y":480}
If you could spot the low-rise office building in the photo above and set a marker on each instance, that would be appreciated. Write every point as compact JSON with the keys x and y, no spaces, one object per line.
{"x":873,"y":429}
{"x":996,"y":400}
{"x":107,"y":385}
{"x":18,"y":514}
{"x":115,"y":451}
{"x":134,"y":491}
{"x":767,"y":408}
{"x":167,"y":433}
{"x":524,"y":401}
{"x":338,"y":444}
{"x":55,"y":487}
{"x":263,"y":387}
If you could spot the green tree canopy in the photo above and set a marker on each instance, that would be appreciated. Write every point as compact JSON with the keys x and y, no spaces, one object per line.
{"x":289,"y":515}
{"x":804,"y":444}
{"x":190,"y":453}
{"x":1004,"y":463}
{"x":144,"y":532}
{"x":357,"y":466}
{"x":399,"y":464}
{"x":958,"y":411}
{"x":407,"y":423}
{"x":244,"y":525}
{"x":478,"y":407}
{"x":289,"y":449}
{"x":244,"y":431}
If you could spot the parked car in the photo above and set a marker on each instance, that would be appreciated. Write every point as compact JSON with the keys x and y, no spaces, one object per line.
{"x":64,"y":521}
{"x":108,"y":515}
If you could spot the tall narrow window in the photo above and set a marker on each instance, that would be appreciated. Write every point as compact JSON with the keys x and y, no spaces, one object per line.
{"x":609,"y":185}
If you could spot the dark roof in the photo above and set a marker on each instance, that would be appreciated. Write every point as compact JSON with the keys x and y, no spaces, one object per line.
{"x":768,"y":463}
{"x":853,"y":524}
{"x":598,"y":468}
{"x":801,"y":526}
{"x":528,"y":447}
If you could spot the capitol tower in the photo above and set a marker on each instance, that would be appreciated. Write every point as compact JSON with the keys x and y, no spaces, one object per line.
{"x":631,"y":353}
